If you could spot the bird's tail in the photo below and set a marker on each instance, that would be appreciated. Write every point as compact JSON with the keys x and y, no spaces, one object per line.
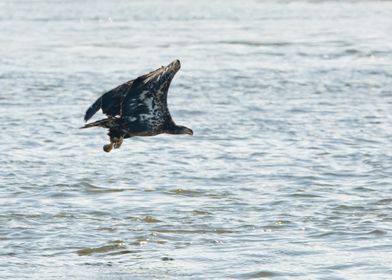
{"x":106,"y":123}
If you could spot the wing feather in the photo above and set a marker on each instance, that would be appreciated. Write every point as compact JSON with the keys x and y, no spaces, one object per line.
{"x":141,"y":108}
{"x":110,"y":102}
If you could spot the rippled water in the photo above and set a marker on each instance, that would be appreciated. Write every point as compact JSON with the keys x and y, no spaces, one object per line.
{"x":288,"y":174}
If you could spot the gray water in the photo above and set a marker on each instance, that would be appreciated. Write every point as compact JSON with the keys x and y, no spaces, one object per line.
{"x":288,"y":174}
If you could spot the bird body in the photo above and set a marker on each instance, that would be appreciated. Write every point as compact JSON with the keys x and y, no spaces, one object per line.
{"x":138,"y":108}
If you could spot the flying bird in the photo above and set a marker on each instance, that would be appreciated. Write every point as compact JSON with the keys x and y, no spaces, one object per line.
{"x":137,"y":108}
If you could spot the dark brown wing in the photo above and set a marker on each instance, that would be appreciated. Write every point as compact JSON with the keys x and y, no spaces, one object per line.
{"x":110,"y":102}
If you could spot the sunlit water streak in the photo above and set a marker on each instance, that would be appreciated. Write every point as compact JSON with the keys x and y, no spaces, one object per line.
{"x":288,"y":173}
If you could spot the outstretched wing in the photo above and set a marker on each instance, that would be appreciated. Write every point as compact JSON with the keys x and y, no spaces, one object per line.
{"x":141,"y":103}
{"x":142,"y":106}
{"x":110,"y":102}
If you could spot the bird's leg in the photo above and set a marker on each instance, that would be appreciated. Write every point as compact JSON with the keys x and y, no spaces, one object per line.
{"x":118,"y":141}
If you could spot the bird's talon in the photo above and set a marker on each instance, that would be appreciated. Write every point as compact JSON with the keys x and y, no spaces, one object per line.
{"x":118,"y":143}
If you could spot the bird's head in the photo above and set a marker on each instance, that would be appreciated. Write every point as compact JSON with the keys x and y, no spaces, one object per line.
{"x":179,"y":129}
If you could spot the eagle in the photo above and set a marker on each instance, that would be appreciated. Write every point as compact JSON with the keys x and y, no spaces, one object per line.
{"x":137,"y":108}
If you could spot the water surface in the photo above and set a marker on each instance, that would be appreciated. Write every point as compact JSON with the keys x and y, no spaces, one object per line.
{"x":288,"y":174}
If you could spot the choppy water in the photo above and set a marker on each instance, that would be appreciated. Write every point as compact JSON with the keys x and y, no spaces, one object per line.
{"x":288,"y":174}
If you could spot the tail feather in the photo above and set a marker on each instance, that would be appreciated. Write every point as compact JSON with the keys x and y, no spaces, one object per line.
{"x":93,"y":109}
{"x":106,"y":123}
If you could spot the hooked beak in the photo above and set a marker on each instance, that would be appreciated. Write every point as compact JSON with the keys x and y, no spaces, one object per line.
{"x":189,"y":131}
